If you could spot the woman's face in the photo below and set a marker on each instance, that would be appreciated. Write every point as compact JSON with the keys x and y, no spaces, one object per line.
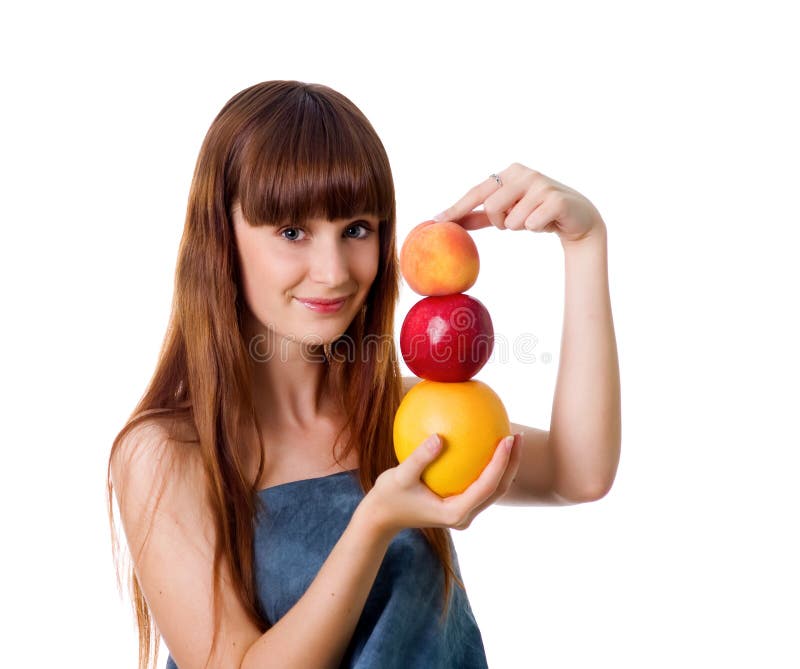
{"x":318,"y":260}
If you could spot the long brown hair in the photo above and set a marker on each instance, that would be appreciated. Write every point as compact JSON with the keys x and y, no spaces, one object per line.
{"x":286,"y":151}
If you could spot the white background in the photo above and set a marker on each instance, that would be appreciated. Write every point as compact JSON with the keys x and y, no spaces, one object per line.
{"x":679,"y":121}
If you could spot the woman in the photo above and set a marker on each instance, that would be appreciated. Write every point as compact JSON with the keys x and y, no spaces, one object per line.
{"x":268,"y":519}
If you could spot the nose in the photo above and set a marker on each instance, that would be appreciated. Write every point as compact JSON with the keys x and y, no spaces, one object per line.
{"x":330,"y":264}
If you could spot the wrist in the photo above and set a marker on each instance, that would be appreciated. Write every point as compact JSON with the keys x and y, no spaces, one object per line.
{"x":596,"y":238}
{"x":372,"y":521}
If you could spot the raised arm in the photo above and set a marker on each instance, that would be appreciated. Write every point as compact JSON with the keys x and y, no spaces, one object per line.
{"x":576,"y":461}
{"x":585,"y":425}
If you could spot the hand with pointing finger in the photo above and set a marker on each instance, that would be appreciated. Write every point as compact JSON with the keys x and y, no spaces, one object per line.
{"x":526,"y":199}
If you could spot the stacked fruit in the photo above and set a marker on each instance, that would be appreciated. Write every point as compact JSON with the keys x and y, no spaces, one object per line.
{"x":445,"y":339}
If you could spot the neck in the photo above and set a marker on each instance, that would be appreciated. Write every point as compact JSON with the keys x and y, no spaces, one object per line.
{"x":290,"y":387}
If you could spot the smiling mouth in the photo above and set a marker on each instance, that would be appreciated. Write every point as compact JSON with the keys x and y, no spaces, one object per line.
{"x":323,"y":307}
{"x":314,"y":300}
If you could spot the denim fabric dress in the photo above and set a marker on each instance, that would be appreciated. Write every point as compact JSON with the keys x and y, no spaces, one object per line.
{"x":399,"y":626}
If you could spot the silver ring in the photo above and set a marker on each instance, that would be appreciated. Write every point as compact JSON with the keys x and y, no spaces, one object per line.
{"x":497,"y":179}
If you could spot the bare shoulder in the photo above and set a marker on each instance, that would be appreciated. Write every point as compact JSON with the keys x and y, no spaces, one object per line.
{"x":143,"y":446}
{"x":147,"y":454}
{"x":153,"y":471}
{"x":169,"y":526}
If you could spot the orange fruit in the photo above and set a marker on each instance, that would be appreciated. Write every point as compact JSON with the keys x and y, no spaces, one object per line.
{"x":470,"y":419}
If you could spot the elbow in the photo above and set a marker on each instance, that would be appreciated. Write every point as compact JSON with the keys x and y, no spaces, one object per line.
{"x":590,"y":491}
{"x":599,"y":485}
{"x":595,"y":491}
{"x":589,"y":485}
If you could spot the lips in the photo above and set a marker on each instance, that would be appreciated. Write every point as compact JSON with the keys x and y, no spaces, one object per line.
{"x":324,"y":305}
{"x":317,"y":300}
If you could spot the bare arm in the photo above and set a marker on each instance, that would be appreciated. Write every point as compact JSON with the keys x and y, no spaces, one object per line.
{"x":173,"y":557}
{"x":315,"y":632}
{"x":576,"y":461}
{"x":585,"y":427}
{"x":174,"y":564}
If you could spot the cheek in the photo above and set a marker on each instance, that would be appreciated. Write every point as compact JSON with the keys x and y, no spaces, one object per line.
{"x":264,"y":275}
{"x":371,"y":264}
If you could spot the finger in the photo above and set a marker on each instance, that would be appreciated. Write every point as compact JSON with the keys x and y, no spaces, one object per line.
{"x":502,"y":202}
{"x":515,"y":220}
{"x":413,"y":466}
{"x":497,"y":217}
{"x":474,"y":220}
{"x":508,"y":476}
{"x":474,"y":196}
{"x":483,"y":487}
{"x":543,"y":215}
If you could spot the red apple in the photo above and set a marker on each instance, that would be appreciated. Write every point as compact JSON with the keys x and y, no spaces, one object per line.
{"x":447,"y":338}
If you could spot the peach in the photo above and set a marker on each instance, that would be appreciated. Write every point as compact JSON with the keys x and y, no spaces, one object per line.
{"x":439,"y":258}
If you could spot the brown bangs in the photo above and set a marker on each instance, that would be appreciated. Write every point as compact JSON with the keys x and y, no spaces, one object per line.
{"x":309,"y":160}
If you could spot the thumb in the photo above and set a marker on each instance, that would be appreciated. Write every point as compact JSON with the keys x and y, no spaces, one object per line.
{"x":424,"y":454}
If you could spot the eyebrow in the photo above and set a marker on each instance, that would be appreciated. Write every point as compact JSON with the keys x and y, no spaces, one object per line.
{"x":368,"y":218}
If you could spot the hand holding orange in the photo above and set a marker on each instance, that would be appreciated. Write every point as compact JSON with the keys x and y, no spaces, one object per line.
{"x":469,"y":418}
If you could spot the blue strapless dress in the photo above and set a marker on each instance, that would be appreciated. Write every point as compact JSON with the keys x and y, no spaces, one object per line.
{"x":399,"y":626}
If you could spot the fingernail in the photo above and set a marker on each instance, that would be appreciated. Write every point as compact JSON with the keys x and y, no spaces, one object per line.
{"x":438,"y":217}
{"x":509,"y":443}
{"x":434,"y":442}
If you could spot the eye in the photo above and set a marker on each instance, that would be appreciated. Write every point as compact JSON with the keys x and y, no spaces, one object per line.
{"x":293,"y":238}
{"x":366,"y":230}
{"x":359,"y":230}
